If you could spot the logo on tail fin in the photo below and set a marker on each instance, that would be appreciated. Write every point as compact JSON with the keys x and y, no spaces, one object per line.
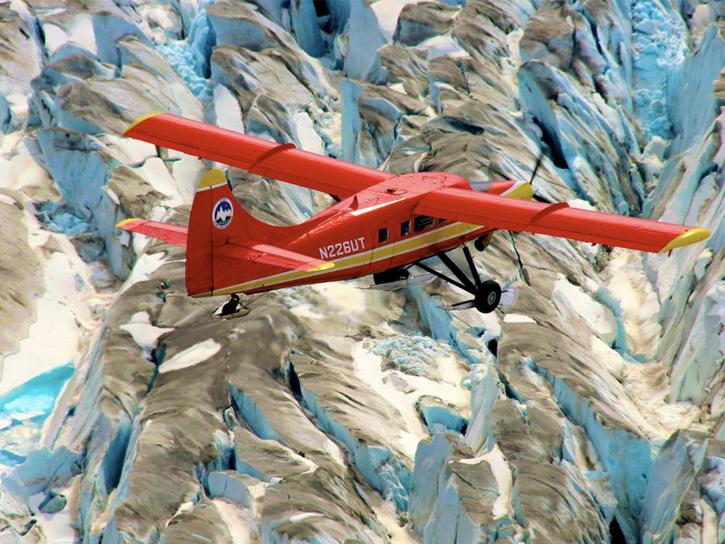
{"x":222,"y":213}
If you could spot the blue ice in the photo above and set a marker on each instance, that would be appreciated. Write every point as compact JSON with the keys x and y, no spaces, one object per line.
{"x":23,"y":411}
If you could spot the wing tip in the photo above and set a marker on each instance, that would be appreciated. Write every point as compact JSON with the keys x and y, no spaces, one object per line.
{"x":690,"y":236}
{"x":126,"y":222}
{"x":140,"y":120}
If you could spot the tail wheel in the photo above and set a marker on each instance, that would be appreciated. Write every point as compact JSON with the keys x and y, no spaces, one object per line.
{"x":488,"y":295}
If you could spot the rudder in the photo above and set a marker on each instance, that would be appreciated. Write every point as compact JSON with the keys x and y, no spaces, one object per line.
{"x":216,"y":218}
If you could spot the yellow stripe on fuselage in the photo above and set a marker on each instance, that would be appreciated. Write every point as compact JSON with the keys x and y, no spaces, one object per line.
{"x":442,"y":234}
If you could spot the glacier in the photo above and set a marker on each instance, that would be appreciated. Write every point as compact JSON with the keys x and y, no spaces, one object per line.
{"x":589,"y":409}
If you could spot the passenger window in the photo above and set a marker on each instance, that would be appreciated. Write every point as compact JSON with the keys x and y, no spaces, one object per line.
{"x":405,"y":228}
{"x":383,"y":235}
{"x":441,"y":220}
{"x":422,"y":222}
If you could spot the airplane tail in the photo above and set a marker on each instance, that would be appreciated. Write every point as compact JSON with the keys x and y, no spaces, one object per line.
{"x":216,"y":219}
{"x":224,"y":243}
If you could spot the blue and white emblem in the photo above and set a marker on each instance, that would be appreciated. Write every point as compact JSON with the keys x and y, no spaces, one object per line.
{"x":222,"y":213}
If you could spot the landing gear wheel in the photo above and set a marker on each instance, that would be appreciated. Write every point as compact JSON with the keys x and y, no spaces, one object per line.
{"x":482,"y":242}
{"x":487,"y":297}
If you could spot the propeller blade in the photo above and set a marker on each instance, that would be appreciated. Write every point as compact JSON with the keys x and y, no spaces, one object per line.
{"x":536,"y":166}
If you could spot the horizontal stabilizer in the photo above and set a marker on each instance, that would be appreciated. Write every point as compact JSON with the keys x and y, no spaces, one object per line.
{"x":171,"y":234}
{"x":272,"y":255}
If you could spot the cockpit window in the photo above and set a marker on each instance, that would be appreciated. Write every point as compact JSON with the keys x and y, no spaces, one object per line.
{"x":405,"y":228}
{"x":423,"y":222}
{"x":383,"y":235}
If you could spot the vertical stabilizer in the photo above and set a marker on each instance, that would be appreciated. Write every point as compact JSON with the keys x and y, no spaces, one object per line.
{"x":216,"y":218}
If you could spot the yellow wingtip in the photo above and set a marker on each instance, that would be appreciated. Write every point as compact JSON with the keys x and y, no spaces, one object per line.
{"x":690,"y":236}
{"x":524,"y":191}
{"x":324,"y":266}
{"x":140,"y":120}
{"x":125,"y":222}
{"x":211,"y":178}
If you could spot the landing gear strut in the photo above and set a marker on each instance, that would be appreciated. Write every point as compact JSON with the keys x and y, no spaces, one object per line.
{"x":486,"y":294}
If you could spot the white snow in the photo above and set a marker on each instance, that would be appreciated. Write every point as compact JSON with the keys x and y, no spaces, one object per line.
{"x":504,"y":479}
{"x":155,"y":171}
{"x":387,"y":12}
{"x":637,"y":299}
{"x":572,"y":299}
{"x":58,"y":527}
{"x":63,"y":314}
{"x":385,"y":513}
{"x":143,"y":332}
{"x":227,"y":110}
{"x":191,"y":356}
{"x":343,"y":295}
{"x":646,"y":384}
{"x":237,"y":525}
{"x":79,"y":32}
{"x":368,"y":368}
{"x":145,"y":266}
{"x":19,"y":167}
{"x":306,"y":133}
{"x":296,"y":518}
{"x":518,"y":318}
{"x":439,"y":46}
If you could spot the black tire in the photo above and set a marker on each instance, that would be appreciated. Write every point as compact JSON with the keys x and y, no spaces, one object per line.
{"x":482,"y":242}
{"x":479,"y":244}
{"x":488,"y":296}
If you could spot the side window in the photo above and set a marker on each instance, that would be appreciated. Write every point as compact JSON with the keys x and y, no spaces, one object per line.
{"x":405,"y":228}
{"x":422,"y":222}
{"x":383,"y":235}
{"x":441,"y":220}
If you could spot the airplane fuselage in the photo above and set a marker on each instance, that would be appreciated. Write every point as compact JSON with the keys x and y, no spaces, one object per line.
{"x":374,"y":230}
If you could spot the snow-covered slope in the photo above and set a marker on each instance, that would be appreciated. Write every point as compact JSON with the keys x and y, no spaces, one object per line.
{"x":589,"y":410}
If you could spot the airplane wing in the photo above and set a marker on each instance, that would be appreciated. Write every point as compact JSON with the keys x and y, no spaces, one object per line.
{"x":278,"y":161}
{"x":273,"y":255}
{"x":171,"y":234}
{"x":557,"y":220}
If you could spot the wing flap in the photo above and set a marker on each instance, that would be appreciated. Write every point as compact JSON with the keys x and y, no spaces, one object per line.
{"x":557,"y":220}
{"x":279,"y":161}
{"x":273,"y":255}
{"x":171,"y":234}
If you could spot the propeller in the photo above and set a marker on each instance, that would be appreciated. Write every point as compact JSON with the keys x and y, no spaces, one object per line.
{"x":522,"y":269}
{"x":537,"y":196}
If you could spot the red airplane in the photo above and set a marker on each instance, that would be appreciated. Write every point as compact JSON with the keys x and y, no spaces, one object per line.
{"x":382,"y":223}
